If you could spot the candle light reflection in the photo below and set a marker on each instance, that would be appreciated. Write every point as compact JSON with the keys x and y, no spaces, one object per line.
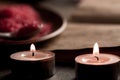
{"x":23,"y":55}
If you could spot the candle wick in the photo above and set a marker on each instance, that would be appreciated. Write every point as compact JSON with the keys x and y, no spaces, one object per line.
{"x":97,"y":58}
{"x":33,"y":53}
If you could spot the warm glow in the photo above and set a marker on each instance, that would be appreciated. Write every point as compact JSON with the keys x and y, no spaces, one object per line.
{"x":22,"y":55}
{"x":96,"y":49}
{"x":32,"y":48}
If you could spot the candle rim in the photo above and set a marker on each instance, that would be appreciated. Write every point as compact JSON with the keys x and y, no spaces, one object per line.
{"x":95,"y":64}
{"x":38,"y":59}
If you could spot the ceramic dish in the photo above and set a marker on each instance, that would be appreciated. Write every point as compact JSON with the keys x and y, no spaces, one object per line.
{"x":48,"y":16}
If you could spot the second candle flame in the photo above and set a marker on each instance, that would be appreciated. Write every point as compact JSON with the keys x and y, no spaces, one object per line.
{"x":96,"y":50}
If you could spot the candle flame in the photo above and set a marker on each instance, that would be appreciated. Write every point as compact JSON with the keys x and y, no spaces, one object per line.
{"x":32,"y":48}
{"x":96,"y":49}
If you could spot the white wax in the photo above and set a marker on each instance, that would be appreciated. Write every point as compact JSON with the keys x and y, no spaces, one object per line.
{"x":104,"y":59}
{"x":27,"y":55}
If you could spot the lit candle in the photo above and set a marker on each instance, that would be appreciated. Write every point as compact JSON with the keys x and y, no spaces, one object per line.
{"x":97,"y":66}
{"x":34,"y":63}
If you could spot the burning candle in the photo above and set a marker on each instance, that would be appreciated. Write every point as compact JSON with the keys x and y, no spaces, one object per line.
{"x":33,"y":63}
{"x":97,"y":66}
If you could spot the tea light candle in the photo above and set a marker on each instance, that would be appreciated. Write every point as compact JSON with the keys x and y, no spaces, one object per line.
{"x":33,"y":63}
{"x":97,"y":66}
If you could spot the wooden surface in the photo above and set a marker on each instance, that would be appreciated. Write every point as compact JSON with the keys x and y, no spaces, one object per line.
{"x":83,"y":35}
{"x":80,"y":34}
